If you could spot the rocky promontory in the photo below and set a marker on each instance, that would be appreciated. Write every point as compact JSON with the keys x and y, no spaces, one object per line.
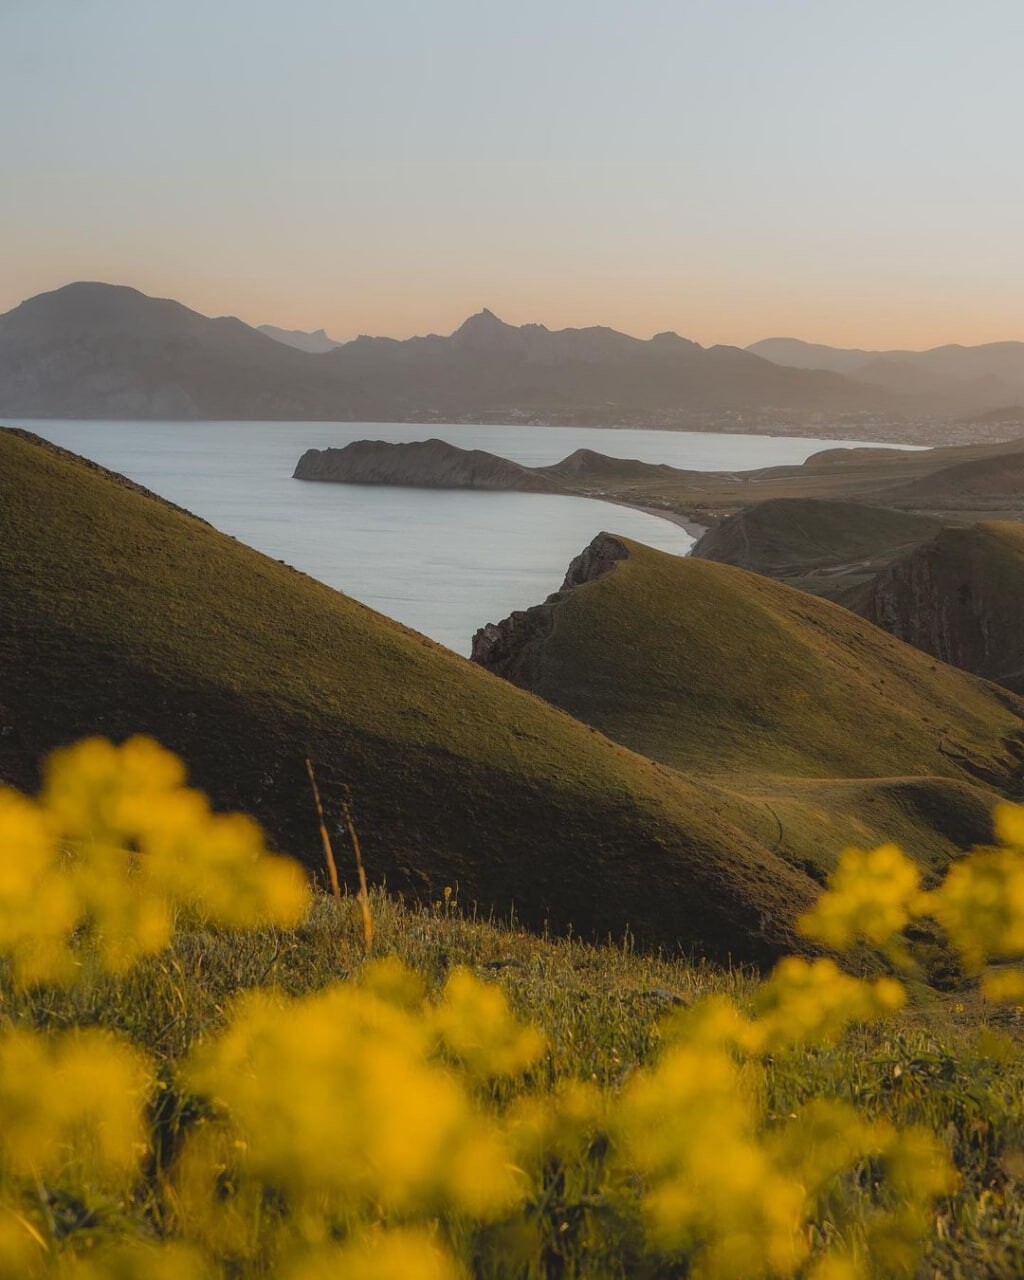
{"x":507,"y":648}
{"x":421,"y":464}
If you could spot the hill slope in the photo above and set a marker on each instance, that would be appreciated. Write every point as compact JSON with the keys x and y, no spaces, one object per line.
{"x":123,"y":615}
{"x":981,"y":484}
{"x":774,"y":697}
{"x":823,"y":547}
{"x":959,"y":597}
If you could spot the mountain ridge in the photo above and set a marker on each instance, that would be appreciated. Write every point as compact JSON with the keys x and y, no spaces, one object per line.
{"x":993,"y":370}
{"x":97,"y":350}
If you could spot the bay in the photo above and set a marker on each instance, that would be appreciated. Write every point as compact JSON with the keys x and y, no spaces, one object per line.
{"x":441,"y":561}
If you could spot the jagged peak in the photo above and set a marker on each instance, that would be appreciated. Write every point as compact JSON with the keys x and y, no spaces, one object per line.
{"x":484,"y":318}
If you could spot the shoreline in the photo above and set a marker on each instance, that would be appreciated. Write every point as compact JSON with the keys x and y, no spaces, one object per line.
{"x":695,"y":530}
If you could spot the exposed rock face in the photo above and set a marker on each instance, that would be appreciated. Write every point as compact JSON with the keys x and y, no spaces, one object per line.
{"x":511,"y":647}
{"x":427,"y":464}
{"x":594,"y":561}
{"x":961,"y":598}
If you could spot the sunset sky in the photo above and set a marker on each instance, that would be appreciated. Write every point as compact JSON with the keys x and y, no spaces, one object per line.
{"x":846,"y":171}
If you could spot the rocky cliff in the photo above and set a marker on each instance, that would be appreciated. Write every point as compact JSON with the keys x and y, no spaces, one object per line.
{"x":961,"y":598}
{"x":510,"y":648}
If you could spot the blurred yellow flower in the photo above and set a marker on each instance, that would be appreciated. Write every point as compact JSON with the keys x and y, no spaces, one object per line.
{"x":380,"y":1255}
{"x":72,"y":1102}
{"x":476,"y":1024}
{"x":338,"y":1094}
{"x":871,"y":897}
{"x":113,"y":850}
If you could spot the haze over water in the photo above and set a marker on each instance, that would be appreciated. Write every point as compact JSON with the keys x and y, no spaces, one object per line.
{"x":441,"y":561}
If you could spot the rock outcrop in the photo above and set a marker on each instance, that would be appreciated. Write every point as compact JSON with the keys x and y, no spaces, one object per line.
{"x":959,"y":597}
{"x":509,"y":648}
{"x":422,"y":464}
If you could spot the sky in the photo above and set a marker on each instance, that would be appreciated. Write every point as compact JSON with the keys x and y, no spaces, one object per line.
{"x":846,"y":171}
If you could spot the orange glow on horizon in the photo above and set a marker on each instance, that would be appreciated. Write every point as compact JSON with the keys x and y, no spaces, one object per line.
{"x":706,"y":315}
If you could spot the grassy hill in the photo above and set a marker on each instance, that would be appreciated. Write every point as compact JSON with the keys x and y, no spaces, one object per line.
{"x":803,"y":717}
{"x":994,"y":484}
{"x":124,"y":615}
{"x":819,"y":546}
{"x":960,"y":597}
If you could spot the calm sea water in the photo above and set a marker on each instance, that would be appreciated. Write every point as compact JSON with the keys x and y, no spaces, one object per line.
{"x":443,"y":562}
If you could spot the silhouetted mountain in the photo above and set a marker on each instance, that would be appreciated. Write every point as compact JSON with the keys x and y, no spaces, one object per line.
{"x":96,"y":350}
{"x":104,"y":351}
{"x":988,"y":375}
{"x":316,"y":342}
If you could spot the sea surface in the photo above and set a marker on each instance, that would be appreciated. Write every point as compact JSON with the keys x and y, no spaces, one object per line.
{"x":443,"y":562}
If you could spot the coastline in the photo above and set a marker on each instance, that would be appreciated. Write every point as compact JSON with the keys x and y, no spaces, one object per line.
{"x":695,"y":530}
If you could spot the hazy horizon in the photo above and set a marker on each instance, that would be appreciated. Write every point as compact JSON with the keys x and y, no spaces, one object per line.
{"x":733,"y":171}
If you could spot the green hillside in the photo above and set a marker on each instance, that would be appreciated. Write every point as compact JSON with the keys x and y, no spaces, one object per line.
{"x":825,"y":547}
{"x":774,"y":698}
{"x":960,"y":597}
{"x":124,"y":615}
{"x":988,"y":484}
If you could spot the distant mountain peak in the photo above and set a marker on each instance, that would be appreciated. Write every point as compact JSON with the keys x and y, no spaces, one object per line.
{"x":484,"y":330}
{"x":95,"y":350}
{"x":670,"y":340}
{"x":315,"y":341}
{"x":482,"y":321}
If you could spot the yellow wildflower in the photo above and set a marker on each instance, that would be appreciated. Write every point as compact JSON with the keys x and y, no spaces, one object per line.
{"x":871,"y":897}
{"x":71,"y":1101}
{"x":337,"y":1094}
{"x":476,"y":1024}
{"x":381,"y":1255}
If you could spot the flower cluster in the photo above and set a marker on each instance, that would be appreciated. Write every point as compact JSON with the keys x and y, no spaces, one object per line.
{"x":342,"y":1098}
{"x":875,"y":894}
{"x":872,"y":896}
{"x":114,"y":850}
{"x":71,"y":1102}
{"x":375,"y":1129}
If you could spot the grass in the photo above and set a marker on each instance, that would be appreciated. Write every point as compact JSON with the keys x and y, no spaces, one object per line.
{"x":946,"y":1063}
{"x":779,"y":727}
{"x":125,"y":615}
{"x":599,"y":1003}
{"x":824,"y":547}
{"x":951,"y":483}
{"x":802,"y":717}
